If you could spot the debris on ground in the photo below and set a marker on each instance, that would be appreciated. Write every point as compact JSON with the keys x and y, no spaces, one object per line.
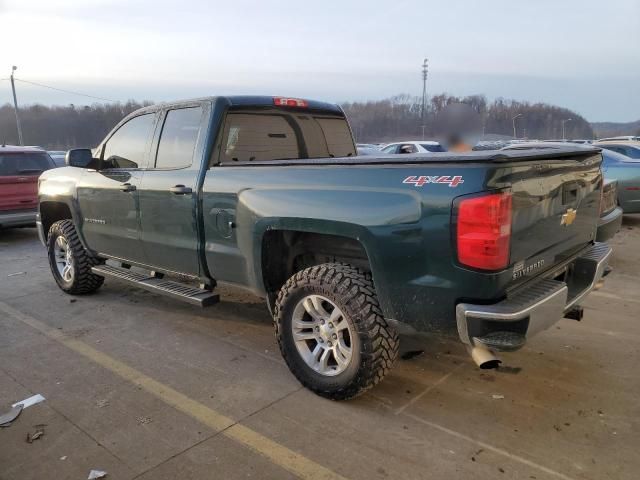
{"x":497,"y":397}
{"x":63,"y":458}
{"x":16,"y":274}
{"x":95,"y":474}
{"x":507,"y":369}
{"x":31,"y":437}
{"x":28,"y":402}
{"x":411,"y":354}
{"x":102,"y":403}
{"x":10,"y":416}
{"x":478,"y":452}
{"x":144,"y":420}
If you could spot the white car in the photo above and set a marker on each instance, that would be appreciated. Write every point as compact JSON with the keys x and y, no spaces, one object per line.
{"x":422,"y":146}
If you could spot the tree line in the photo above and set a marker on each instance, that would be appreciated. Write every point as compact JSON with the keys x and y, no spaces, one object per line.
{"x":397,"y":118}
{"x":62,"y":127}
{"x":402,"y":117}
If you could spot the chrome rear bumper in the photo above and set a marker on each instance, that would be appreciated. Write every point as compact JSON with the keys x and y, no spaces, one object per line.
{"x":536,"y":307}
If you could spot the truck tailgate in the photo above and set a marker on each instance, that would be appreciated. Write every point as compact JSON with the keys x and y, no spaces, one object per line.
{"x":556,"y":207}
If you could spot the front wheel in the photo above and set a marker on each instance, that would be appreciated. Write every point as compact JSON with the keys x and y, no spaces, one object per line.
{"x":70,"y":263}
{"x":331,"y":331}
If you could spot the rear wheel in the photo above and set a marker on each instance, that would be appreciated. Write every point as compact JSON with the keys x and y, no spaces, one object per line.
{"x":331,"y":331}
{"x":70,"y":263}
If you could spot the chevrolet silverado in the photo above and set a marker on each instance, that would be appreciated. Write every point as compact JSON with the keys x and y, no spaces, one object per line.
{"x":268,"y":194}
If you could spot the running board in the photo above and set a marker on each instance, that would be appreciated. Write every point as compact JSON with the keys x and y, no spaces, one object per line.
{"x":180,"y":291}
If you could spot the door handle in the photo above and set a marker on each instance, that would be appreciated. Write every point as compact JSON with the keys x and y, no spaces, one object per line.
{"x":180,"y":190}
{"x":127,"y":187}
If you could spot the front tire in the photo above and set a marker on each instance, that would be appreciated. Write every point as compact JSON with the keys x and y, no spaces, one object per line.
{"x":331,"y":331}
{"x":70,"y":263}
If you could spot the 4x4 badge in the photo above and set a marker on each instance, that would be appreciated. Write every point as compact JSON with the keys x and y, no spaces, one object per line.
{"x":421,"y":180}
{"x":569,"y":217}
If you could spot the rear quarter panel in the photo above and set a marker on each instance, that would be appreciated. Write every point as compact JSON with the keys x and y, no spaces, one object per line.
{"x":404,"y":228}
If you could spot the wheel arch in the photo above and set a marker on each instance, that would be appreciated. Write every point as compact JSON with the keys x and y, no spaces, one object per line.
{"x":52,"y":212}
{"x":283,"y":250}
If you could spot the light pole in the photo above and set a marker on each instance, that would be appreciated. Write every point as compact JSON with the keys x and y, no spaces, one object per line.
{"x":563,"y":122}
{"x":514,"y":124}
{"x":425,"y":75}
{"x":15,"y":106}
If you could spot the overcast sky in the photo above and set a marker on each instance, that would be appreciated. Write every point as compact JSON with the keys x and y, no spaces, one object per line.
{"x":581,"y":54}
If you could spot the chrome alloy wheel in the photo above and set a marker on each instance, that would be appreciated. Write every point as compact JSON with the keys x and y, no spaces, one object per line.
{"x":64,"y":259}
{"x":322,"y":335}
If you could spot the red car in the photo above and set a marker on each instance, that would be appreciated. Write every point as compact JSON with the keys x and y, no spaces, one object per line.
{"x":20,"y":168}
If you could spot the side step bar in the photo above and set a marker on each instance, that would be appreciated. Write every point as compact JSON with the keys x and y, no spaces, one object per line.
{"x":180,"y":291}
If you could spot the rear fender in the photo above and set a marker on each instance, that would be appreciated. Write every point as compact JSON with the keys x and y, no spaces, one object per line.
{"x":362,"y":215}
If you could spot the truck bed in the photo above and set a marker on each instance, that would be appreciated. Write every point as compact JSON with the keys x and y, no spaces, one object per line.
{"x":573,"y":151}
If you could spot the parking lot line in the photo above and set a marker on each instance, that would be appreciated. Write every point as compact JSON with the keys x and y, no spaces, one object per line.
{"x":280,"y":455}
{"x":427,"y":390}
{"x":489,"y":447}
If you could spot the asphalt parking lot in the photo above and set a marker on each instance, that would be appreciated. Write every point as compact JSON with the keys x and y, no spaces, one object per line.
{"x":141,"y":386}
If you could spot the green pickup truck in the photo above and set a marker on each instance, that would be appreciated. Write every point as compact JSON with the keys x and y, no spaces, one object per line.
{"x":268,"y":194}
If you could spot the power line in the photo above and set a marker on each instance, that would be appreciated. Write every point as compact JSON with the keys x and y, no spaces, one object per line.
{"x":65,"y":91}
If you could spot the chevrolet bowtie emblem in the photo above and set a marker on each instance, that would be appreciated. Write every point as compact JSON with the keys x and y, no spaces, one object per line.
{"x":569,"y":217}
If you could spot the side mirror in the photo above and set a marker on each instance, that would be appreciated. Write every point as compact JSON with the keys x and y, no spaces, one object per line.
{"x":79,"y":157}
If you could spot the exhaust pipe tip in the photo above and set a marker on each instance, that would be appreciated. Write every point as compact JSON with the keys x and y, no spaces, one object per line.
{"x":483,"y":357}
{"x":490,"y":364}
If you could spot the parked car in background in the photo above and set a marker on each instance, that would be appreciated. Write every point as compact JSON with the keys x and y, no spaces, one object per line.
{"x":582,"y":141}
{"x":629,"y":148}
{"x":626,"y":171}
{"x":58,"y":157}
{"x":629,"y":138}
{"x":20,"y":168}
{"x":489,"y":145}
{"x":610,"y":214}
{"x":368,"y":145}
{"x":422,"y":146}
{"x":367,"y":150}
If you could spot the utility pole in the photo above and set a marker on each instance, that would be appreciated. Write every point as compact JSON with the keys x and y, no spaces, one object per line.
{"x":514,"y":124}
{"x":563,"y":122}
{"x":425,"y":74}
{"x":15,"y":106}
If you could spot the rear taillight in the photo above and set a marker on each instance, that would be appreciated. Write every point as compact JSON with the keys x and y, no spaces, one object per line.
{"x":290,"y":102}
{"x":483,"y":231}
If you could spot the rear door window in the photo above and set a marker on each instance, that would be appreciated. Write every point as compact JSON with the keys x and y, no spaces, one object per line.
{"x":128,"y":146}
{"x":179,"y":138}
{"x":23,"y":164}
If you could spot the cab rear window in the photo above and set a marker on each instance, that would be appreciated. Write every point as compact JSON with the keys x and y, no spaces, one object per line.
{"x":23,"y":164}
{"x":281,"y":135}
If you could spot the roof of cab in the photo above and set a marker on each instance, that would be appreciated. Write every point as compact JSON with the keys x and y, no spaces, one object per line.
{"x":246,"y":101}
{"x":20,"y":149}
